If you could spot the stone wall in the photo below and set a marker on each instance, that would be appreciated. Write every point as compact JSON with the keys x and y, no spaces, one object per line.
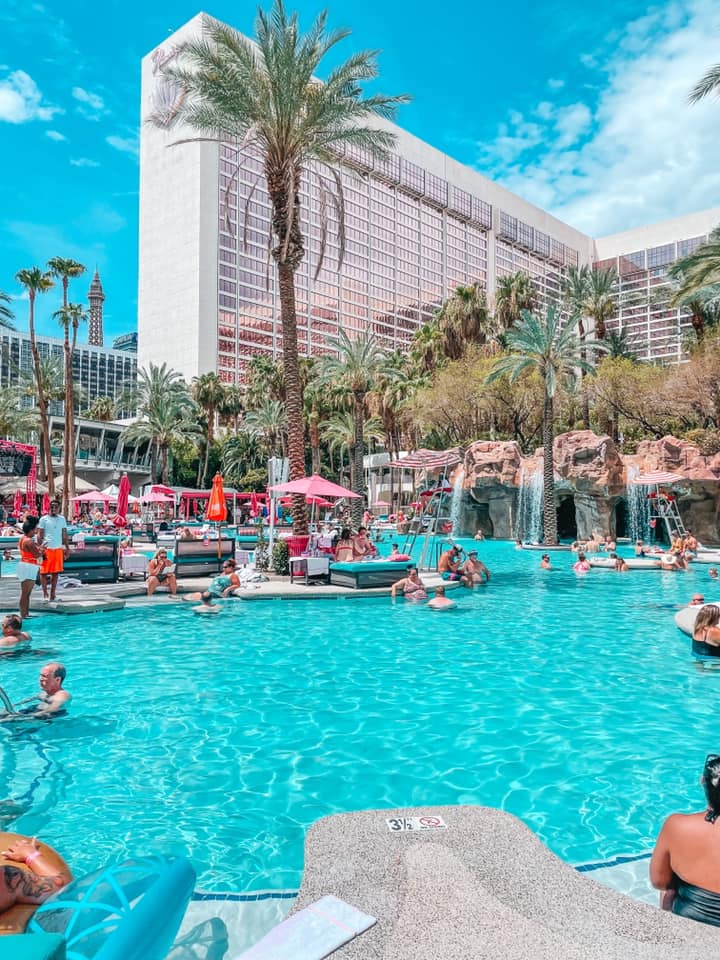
{"x":591,"y":471}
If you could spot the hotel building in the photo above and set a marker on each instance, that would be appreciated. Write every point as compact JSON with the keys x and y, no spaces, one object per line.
{"x":417,"y":225}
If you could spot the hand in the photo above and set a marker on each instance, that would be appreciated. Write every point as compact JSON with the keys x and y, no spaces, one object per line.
{"x":66,"y":550}
{"x":22,"y":849}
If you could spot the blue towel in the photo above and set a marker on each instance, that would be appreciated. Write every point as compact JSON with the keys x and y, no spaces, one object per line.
{"x":312,"y":933}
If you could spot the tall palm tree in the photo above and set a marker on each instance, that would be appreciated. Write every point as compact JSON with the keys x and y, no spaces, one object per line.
{"x":101,"y":409}
{"x":69,"y":316}
{"x":601,"y":302}
{"x":339,"y":432}
{"x":37,"y":281}
{"x":550,"y":346}
{"x":513,"y":294}
{"x":232,"y":405}
{"x":6,"y":314}
{"x":265,"y":96}
{"x":156,"y":387}
{"x":265,"y":380}
{"x":575,"y":290}
{"x":269,"y":424}
{"x":354,"y":366}
{"x":699,"y":270}
{"x":464,"y":320}
{"x":163,"y":426}
{"x":208,"y":392}
{"x":427,"y":347}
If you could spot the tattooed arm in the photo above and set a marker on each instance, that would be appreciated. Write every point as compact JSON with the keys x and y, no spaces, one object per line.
{"x":27,"y":887}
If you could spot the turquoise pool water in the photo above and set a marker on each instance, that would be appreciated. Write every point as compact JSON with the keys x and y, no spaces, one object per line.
{"x":570,"y":702}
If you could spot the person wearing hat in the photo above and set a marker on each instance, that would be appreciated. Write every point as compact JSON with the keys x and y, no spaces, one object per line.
{"x":474,"y":571}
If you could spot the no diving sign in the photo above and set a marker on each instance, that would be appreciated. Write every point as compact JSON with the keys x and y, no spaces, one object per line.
{"x":403,"y":824}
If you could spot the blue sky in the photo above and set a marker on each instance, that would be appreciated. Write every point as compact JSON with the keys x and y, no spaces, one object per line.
{"x":580,"y":108}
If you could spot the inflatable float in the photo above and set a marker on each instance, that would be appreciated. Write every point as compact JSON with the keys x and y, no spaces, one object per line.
{"x":15,"y":920}
{"x":685,"y":618}
{"x":634,"y":563}
{"x":707,"y":556}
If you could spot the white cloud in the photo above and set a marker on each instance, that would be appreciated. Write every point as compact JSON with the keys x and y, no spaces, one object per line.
{"x":21,"y":100}
{"x":100,"y":219}
{"x":83,"y":162}
{"x":555,"y":83}
{"x":124,"y":144}
{"x":91,"y":104}
{"x":55,"y":135}
{"x":642,"y":153}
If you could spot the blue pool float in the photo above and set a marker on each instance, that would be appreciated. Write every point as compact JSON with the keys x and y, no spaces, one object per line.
{"x":127,"y":911}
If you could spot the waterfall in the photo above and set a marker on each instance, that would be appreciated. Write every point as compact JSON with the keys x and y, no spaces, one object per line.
{"x":529,"y":524}
{"x":638,"y":508}
{"x":456,"y":501}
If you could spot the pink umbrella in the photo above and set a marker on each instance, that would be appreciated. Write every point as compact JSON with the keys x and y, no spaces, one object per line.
{"x":315,"y":486}
{"x":93,"y":496}
{"x":46,"y":503}
{"x":381,"y":503}
{"x":123,"y":497}
{"x":17,"y":503}
{"x":155,"y":497}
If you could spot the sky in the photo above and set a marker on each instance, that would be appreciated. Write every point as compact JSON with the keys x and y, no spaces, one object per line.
{"x":580,"y":108}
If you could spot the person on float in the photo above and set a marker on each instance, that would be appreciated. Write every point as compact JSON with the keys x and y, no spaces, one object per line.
{"x":33,"y":882}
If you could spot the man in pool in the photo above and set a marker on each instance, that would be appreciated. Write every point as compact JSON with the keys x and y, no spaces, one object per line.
{"x":474,"y":571}
{"x":449,"y":564}
{"x":697,"y":600}
{"x":440,"y":601}
{"x":12,"y":633}
{"x":34,"y":881}
{"x":53,"y":697}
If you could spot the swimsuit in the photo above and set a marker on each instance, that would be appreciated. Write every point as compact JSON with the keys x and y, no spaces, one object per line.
{"x":703,"y":649}
{"x":697,"y":903}
{"x":413,"y":591}
{"x":218,"y":584}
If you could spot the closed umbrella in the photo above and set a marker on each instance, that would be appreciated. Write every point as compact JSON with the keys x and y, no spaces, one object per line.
{"x":46,"y":504}
{"x":123,"y":498}
{"x":217,"y":508}
{"x":17,"y":503}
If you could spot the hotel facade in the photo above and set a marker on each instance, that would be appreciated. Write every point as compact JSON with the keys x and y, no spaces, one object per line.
{"x":417,"y":225}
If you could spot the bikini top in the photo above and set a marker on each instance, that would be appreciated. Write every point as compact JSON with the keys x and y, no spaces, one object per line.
{"x":25,"y":555}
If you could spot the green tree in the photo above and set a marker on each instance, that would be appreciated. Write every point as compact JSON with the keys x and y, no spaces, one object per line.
{"x":268,"y":424}
{"x":463,"y":320}
{"x":208,"y":393}
{"x":101,"y":409}
{"x":427,"y":348}
{"x":16,"y":421}
{"x":37,"y":281}
{"x":340,"y":433}
{"x":265,"y":95}
{"x":232,"y":405}
{"x":551,"y":347}
{"x":575,"y":288}
{"x":159,"y":387}
{"x":601,"y":303}
{"x":265,"y":380}
{"x":697,"y":272}
{"x":163,"y":427}
{"x":354,"y":366}
{"x":6,"y":314}
{"x":513,"y":294}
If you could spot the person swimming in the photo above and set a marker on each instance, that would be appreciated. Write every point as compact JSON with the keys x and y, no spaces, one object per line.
{"x":581,"y":565}
{"x":412,"y":586}
{"x":706,"y":632}
{"x":440,"y":601}
{"x":685,"y":865}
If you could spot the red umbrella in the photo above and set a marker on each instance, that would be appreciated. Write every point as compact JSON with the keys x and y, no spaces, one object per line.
{"x":315,"y":486}
{"x":254,"y":507}
{"x":17,"y":503}
{"x":46,"y":503}
{"x":216,"y":508}
{"x":123,"y":497}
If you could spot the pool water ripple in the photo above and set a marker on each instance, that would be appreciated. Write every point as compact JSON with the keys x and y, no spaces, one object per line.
{"x":572,"y":703}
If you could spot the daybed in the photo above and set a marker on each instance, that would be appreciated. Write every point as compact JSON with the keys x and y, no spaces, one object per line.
{"x":369,"y":573}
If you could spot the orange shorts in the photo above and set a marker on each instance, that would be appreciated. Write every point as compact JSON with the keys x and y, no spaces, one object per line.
{"x":53,"y":561}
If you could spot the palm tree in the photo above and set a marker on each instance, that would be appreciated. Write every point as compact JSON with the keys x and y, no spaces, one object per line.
{"x":37,"y":281}
{"x":550,"y":346}
{"x":513,"y":294}
{"x":354,"y":366}
{"x":265,"y":96}
{"x":707,"y":84}
{"x":265,"y":380}
{"x":16,"y":420}
{"x":101,"y":409}
{"x":426,"y":347}
{"x":232,"y":405}
{"x":208,"y":392}
{"x":6,"y":314}
{"x":698,"y":271}
{"x":269,"y":424}
{"x":163,"y":426}
{"x":338,"y":431}
{"x":69,"y":316}
{"x":156,"y":388}
{"x":619,"y":346}
{"x":463,"y":320}
{"x":601,"y":302}
{"x":575,"y":288}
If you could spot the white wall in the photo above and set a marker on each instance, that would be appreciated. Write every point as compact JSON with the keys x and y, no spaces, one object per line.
{"x":656,"y":234}
{"x":177,"y":299}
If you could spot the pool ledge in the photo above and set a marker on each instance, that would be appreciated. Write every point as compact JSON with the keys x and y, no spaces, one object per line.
{"x":483,"y":887}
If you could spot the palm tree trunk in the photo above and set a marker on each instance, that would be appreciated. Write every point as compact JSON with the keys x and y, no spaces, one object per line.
{"x":293,"y":393}
{"x":210,"y":434}
{"x":164,"y":462}
{"x":358,"y":457}
{"x":42,"y":402}
{"x":70,"y":418}
{"x":549,"y":512}
{"x":314,"y":444}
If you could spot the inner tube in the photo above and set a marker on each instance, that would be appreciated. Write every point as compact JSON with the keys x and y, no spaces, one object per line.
{"x":16,"y":918}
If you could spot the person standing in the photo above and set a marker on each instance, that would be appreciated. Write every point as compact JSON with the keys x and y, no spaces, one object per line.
{"x":53,"y":534}
{"x":29,"y":565}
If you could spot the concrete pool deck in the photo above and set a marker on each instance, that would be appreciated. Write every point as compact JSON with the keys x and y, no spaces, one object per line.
{"x":482,"y":888}
{"x":98,"y":597}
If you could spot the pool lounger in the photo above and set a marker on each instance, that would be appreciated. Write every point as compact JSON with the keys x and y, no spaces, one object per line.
{"x":312,"y":933}
{"x":369,"y":573}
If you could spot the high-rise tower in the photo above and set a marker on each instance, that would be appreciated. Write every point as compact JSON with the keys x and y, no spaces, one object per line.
{"x":96,"y":298}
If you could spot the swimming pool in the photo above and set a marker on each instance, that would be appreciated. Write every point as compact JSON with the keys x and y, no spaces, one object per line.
{"x":570,"y":702}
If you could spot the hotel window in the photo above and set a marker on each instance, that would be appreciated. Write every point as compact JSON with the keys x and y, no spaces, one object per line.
{"x":460,"y":202}
{"x":572,"y":257}
{"x":686,"y":247}
{"x":358,"y":157}
{"x":541,"y":243}
{"x":557,"y":251}
{"x":508,"y":226}
{"x":661,"y":256}
{"x":436,"y":190}
{"x":524,"y":235}
{"x":482,"y":213}
{"x":388,"y":168}
{"x":637,"y":259}
{"x":412,"y":177}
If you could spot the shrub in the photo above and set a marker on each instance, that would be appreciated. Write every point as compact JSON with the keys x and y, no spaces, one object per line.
{"x":281,"y":558}
{"x":707,"y":441}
